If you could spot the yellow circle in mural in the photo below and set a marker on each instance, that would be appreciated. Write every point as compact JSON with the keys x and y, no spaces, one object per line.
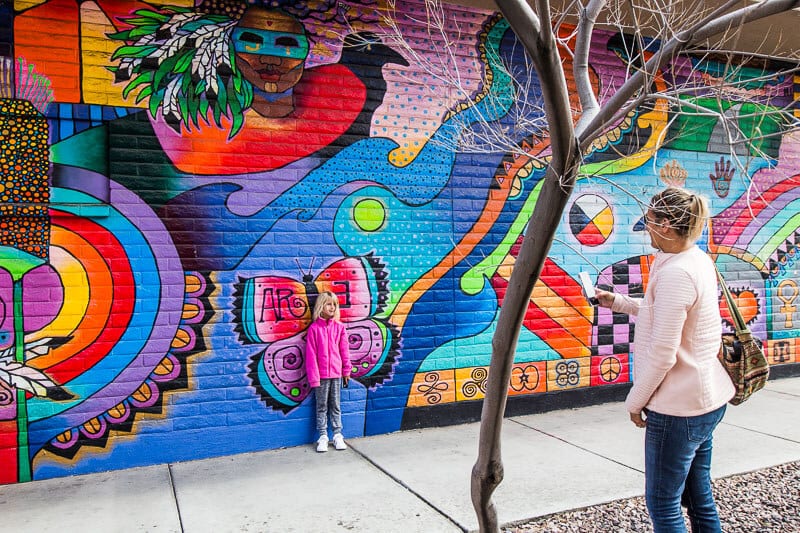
{"x":369,"y":214}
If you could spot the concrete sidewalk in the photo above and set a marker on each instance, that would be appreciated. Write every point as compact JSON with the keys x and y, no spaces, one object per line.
{"x":402,"y":482}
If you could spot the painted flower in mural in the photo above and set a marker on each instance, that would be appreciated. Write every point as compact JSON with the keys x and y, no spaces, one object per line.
{"x":24,"y":256}
{"x":276,"y":310}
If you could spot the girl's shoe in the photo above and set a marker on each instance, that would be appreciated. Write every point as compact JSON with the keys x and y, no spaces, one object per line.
{"x":338,"y":442}
{"x":322,"y":443}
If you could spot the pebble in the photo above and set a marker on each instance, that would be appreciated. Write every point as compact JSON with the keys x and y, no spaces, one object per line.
{"x":764,"y":501}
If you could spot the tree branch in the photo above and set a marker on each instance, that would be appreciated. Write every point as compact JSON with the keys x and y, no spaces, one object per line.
{"x":711,"y":24}
{"x":580,"y":68}
{"x":525,"y":23}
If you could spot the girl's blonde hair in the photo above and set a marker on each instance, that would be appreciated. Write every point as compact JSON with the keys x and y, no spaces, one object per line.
{"x":323,"y":298}
{"x":686,"y":212}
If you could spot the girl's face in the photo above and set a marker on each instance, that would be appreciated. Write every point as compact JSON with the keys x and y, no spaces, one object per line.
{"x":328,"y":309}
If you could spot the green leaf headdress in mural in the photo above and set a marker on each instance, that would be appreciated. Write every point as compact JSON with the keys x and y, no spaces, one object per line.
{"x":182,"y":60}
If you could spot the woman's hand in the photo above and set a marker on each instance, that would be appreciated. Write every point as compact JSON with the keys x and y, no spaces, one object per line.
{"x":638,"y":420}
{"x":604,"y":298}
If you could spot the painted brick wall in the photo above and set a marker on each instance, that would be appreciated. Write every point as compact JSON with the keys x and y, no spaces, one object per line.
{"x":180,"y":182}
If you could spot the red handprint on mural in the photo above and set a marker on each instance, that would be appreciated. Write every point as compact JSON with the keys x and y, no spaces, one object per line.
{"x":722,"y":176}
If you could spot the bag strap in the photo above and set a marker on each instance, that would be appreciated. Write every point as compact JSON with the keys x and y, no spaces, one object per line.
{"x":738,"y":320}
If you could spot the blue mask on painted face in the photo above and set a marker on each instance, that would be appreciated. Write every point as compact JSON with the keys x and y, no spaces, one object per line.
{"x":270,"y":43}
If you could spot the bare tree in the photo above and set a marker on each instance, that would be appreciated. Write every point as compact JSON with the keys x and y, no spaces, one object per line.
{"x":658,"y":34}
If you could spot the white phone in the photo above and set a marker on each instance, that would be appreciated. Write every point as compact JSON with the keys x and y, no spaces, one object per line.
{"x":588,"y":288}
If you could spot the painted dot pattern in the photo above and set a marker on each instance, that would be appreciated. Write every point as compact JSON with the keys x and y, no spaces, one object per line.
{"x":24,"y":187}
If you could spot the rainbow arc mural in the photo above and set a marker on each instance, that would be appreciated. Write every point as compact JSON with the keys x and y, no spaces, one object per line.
{"x":181,"y":179}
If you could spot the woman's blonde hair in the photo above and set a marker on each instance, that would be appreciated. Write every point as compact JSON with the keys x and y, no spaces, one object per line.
{"x":323,"y":298}
{"x":686,"y":212}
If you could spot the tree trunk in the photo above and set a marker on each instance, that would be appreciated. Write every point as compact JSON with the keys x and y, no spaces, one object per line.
{"x":487,"y":474}
{"x":559,"y":179}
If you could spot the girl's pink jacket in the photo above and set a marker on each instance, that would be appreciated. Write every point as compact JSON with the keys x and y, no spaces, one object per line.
{"x":327,"y":352}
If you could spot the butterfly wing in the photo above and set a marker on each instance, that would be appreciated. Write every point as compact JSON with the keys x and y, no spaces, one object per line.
{"x":374,"y":349}
{"x":270,"y":308}
{"x":279,"y":374}
{"x":360,"y":283}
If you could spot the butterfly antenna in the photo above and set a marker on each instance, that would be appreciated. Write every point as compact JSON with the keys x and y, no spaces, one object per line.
{"x":305,"y":275}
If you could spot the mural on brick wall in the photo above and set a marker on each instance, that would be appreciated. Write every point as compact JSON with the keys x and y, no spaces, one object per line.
{"x":183,"y":178}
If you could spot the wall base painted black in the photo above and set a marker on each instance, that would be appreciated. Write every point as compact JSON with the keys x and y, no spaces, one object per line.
{"x":466,"y":412}
{"x":791,"y":370}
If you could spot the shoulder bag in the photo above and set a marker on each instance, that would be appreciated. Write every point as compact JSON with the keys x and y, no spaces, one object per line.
{"x":741,"y":353}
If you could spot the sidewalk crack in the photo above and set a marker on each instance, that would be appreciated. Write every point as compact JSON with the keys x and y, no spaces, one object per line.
{"x":409,"y":489}
{"x":175,"y":496}
{"x":576,"y":446}
{"x":787,"y":439}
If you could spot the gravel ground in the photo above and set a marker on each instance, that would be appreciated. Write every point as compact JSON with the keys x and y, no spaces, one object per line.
{"x":764,"y":501}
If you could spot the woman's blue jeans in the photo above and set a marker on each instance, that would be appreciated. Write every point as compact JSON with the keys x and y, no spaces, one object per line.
{"x":678,"y":471}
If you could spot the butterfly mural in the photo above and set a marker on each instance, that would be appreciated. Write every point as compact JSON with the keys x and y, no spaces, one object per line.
{"x":276,"y":311}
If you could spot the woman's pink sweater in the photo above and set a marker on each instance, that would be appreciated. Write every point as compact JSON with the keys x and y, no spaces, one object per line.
{"x":678,"y":328}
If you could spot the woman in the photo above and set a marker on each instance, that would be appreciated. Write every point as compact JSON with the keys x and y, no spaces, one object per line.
{"x":680,"y":389}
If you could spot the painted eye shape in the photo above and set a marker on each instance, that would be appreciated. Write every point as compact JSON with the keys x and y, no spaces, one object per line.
{"x":250,"y":37}
{"x":287,"y":42}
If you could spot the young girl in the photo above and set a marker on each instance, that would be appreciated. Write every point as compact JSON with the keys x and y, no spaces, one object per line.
{"x":327,"y":365}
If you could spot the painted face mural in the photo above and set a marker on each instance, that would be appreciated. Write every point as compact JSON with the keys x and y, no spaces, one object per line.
{"x":271,"y":48}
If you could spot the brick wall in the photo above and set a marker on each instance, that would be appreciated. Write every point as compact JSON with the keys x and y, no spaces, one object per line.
{"x":178,"y":187}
